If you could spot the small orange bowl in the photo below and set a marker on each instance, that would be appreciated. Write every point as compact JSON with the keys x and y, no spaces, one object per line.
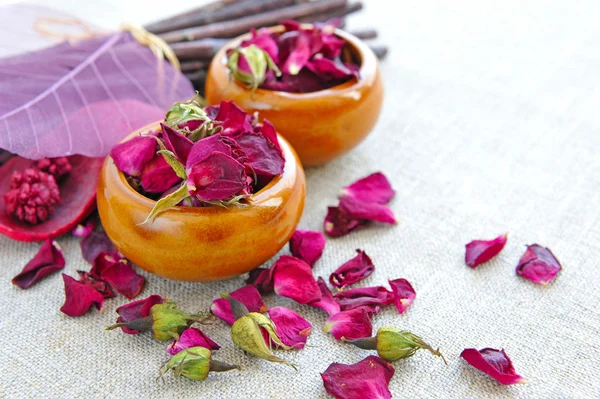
{"x":202,"y":244}
{"x":320,"y":125}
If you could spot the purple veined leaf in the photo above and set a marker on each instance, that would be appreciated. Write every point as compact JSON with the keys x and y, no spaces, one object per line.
{"x":83,"y":97}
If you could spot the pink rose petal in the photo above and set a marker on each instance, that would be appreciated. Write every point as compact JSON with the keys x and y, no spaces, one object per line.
{"x":349,"y":324}
{"x":354,"y":208}
{"x":293,"y":278}
{"x":190,"y":338}
{"x":218,"y":177}
{"x":307,"y":245}
{"x":101,"y":286}
{"x":176,"y":142}
{"x":372,"y":297}
{"x":79,"y":297}
{"x":538,"y":264}
{"x":292,"y":329}
{"x":133,"y":155}
{"x":235,"y":120}
{"x":480,"y":251}
{"x":338,"y":224}
{"x":373,"y":188}
{"x":94,"y":244}
{"x":137,"y":310}
{"x":124,"y":279}
{"x":263,"y":158}
{"x":494,"y":363}
{"x":158,"y":176}
{"x":367,"y":379}
{"x":49,"y":259}
{"x":262,"y":279}
{"x":248,"y":295}
{"x":403,"y":294}
{"x":353,"y":271}
{"x":326,"y":302}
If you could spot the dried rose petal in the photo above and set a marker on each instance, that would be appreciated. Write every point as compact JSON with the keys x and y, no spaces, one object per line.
{"x":96,"y":243}
{"x":103,"y":261}
{"x":353,"y":271}
{"x":263,"y":158}
{"x":158,"y":176}
{"x":248,"y":295}
{"x":292,"y":329}
{"x":124,"y":279}
{"x":354,"y":208}
{"x":190,"y":338}
{"x":176,"y":142}
{"x":204,"y":148}
{"x":372,"y":297}
{"x":293,"y":278}
{"x":373,"y":188}
{"x":49,"y":259}
{"x":295,"y":51}
{"x":307,"y":245}
{"x":538,"y":264}
{"x":133,"y":155}
{"x":262,"y":279}
{"x":101,"y":286}
{"x":79,"y":297}
{"x":367,"y":379}
{"x":268,"y":130}
{"x":330,"y":69}
{"x":326,"y":302}
{"x":262,"y":38}
{"x":218,"y":177}
{"x":349,"y":324}
{"x":83,"y":230}
{"x":137,"y":310}
{"x":480,"y":251}
{"x":235,"y":120}
{"x":337,"y":224}
{"x":304,"y":82}
{"x":494,"y":363}
{"x":403,"y":293}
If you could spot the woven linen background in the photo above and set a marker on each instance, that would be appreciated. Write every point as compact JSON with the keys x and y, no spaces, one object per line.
{"x":491,"y":124}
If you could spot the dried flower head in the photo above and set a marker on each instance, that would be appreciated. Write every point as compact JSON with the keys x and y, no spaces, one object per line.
{"x":33,"y":196}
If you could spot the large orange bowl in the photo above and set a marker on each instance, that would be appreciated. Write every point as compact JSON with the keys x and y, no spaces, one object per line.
{"x":202,"y":244}
{"x":321,"y":125}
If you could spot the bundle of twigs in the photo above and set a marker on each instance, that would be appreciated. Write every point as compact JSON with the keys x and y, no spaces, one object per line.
{"x":196,"y":35}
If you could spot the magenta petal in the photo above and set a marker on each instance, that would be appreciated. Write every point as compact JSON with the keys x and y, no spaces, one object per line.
{"x":337,"y":224}
{"x":353,"y":271}
{"x":268,"y":130}
{"x":480,"y":251}
{"x":49,"y":259}
{"x":403,"y":293}
{"x":307,"y":245}
{"x":330,"y":69}
{"x":176,"y":142}
{"x":137,"y":310}
{"x":263,"y":158}
{"x":295,"y":51}
{"x":79,"y":297}
{"x":292,"y":329}
{"x":218,"y":177}
{"x":235,"y":120}
{"x":538,"y":264}
{"x":190,"y":338}
{"x":372,"y":297}
{"x":354,"y":208}
{"x":494,"y":363}
{"x":204,"y":148}
{"x":132,"y":155}
{"x":101,"y":286}
{"x":367,"y":379}
{"x":262,"y":39}
{"x":293,"y":278}
{"x":121,"y":276}
{"x":373,"y":188}
{"x":248,"y":295}
{"x":326,"y":302}
{"x":96,"y":243}
{"x":262,"y":279}
{"x":349,"y":324}
{"x":82,"y":230}
{"x":158,"y":176}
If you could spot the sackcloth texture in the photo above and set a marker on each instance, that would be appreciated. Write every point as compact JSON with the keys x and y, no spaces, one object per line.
{"x":491,"y":124}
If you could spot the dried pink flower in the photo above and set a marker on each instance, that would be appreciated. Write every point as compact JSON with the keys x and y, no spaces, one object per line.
{"x":307,"y":245}
{"x":262,"y":279}
{"x":133,"y":155}
{"x":217,"y":177}
{"x":247,"y":295}
{"x":349,"y":324}
{"x":99,"y":285}
{"x":494,"y":363}
{"x":49,"y":259}
{"x":353,"y":271}
{"x":79,"y":297}
{"x":367,"y":379}
{"x":119,"y":273}
{"x":538,"y":264}
{"x":403,"y":293}
{"x":292,"y":329}
{"x":480,"y":251}
{"x":57,"y":167}
{"x":176,"y":142}
{"x":191,"y":338}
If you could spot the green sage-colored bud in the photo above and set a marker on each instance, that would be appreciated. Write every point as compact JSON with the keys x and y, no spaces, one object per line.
{"x":394,"y":344}
{"x":194,"y":363}
{"x":183,"y":112}
{"x":258,"y":60}
{"x":168,"y":321}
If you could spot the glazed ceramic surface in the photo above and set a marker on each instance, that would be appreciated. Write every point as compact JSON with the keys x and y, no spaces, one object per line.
{"x":321,"y":125}
{"x":202,"y":244}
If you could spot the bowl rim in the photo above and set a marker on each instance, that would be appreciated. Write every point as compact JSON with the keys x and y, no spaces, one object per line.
{"x":367,"y":71}
{"x":258,"y":199}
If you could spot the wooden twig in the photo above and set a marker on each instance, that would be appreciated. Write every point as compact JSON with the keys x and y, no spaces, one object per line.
{"x":198,"y":49}
{"x":193,"y":66}
{"x":338,"y":12}
{"x":364,"y":34}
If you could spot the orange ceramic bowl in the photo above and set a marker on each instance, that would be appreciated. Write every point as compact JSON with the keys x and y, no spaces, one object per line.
{"x":321,"y":125}
{"x":202,"y":244}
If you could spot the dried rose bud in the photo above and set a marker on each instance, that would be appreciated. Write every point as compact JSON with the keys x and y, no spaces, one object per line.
{"x":33,"y":196}
{"x":307,"y":245}
{"x":367,"y":379}
{"x":373,"y":188}
{"x":538,"y":264}
{"x":57,"y":167}
{"x":187,"y":115}
{"x":192,"y":337}
{"x":403,"y":293}
{"x":248,"y":295}
{"x":194,"y":364}
{"x":292,"y":329}
{"x":349,"y":324}
{"x":326,"y":302}
{"x":393,"y":344}
{"x":132,"y":156}
{"x":353,"y":271}
{"x":216,"y":178}
{"x":79,"y":297}
{"x":247,"y":332}
{"x":48,"y":260}
{"x":494,"y":363}
{"x":480,"y":251}
{"x":168,"y":321}
{"x":249,"y":65}
{"x":137,"y":310}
